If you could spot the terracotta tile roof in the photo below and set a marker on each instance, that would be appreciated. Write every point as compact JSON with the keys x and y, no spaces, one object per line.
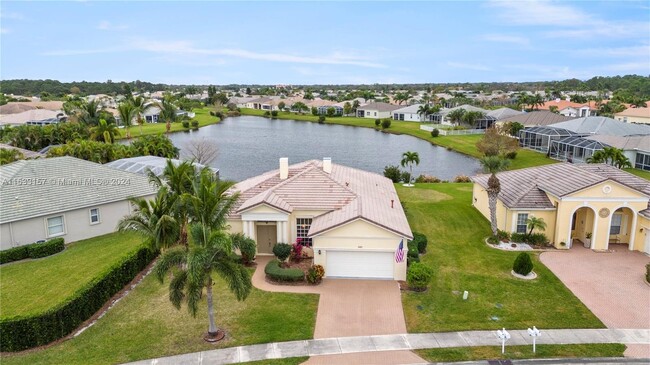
{"x":347,"y":194}
{"x":380,"y":107}
{"x":563,"y":104}
{"x":635,"y":112}
{"x":536,"y":118}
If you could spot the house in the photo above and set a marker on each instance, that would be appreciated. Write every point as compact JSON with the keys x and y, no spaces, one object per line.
{"x":591,"y":204}
{"x":142,"y":164}
{"x":352,"y":219}
{"x":442,"y":116}
{"x":571,"y":109}
{"x":534,"y":118}
{"x":410,"y":114}
{"x":64,"y":197}
{"x":33,"y":117}
{"x":501,"y":113}
{"x":322,"y":110}
{"x":26,"y":153}
{"x":376,"y":110}
{"x":635,"y":148}
{"x":634,"y":115}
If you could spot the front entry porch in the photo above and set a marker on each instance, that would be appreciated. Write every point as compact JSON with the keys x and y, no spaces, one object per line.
{"x":598,"y":229}
{"x":267,"y":237}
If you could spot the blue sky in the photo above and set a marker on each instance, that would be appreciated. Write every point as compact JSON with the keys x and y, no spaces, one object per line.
{"x":323,"y":42}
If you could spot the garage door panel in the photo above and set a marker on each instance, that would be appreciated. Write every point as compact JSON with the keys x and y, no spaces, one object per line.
{"x":359,"y":264}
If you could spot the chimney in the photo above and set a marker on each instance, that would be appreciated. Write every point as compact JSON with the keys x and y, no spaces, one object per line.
{"x":284,"y":168}
{"x":327,"y":164}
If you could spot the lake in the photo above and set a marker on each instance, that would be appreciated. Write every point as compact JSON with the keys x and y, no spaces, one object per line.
{"x":249,"y":146}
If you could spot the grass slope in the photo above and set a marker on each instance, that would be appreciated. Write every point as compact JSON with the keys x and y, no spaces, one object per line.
{"x":462,"y":261}
{"x":202,"y":115}
{"x":522,"y":352}
{"x":33,"y":286}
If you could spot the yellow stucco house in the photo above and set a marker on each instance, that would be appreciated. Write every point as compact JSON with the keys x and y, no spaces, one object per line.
{"x":576,"y":201}
{"x":352,"y":219}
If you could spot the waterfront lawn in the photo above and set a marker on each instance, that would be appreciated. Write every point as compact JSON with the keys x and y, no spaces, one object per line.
{"x":144,"y":324}
{"x":522,"y":352}
{"x":640,"y":173}
{"x":202,"y":116}
{"x":462,"y":261}
{"x":34,"y":286}
{"x":463,"y":144}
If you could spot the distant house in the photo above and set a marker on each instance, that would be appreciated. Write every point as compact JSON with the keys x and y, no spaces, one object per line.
{"x":241,"y":102}
{"x":571,"y":109}
{"x":152,"y":114}
{"x":64,"y":197}
{"x":33,"y":117}
{"x":534,"y":118}
{"x":410,"y":114}
{"x":442,"y":116}
{"x":141,"y":164}
{"x":634,"y":115}
{"x":376,"y":110}
{"x":322,"y":110}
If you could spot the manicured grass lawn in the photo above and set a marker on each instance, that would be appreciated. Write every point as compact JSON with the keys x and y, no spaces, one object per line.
{"x":522,"y":352}
{"x":640,"y":173}
{"x":202,"y":115}
{"x":33,"y":286}
{"x":145,"y":325}
{"x":462,"y":144}
{"x":289,"y":361}
{"x":462,"y":261}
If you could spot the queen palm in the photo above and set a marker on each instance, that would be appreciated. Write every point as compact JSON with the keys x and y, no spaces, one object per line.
{"x":409,"y":158}
{"x":493,"y":165}
{"x":127,"y":113}
{"x":104,"y":131}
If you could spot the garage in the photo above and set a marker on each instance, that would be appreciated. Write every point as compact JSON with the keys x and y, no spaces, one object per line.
{"x":359,"y":264}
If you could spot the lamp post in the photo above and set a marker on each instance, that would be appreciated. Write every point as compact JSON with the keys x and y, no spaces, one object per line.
{"x":504,"y":336}
{"x":534,"y":333}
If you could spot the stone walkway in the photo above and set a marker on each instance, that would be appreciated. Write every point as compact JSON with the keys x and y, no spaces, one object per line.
{"x":403,"y":342}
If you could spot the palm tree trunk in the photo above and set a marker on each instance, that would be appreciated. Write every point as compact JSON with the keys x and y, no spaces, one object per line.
{"x":492,"y":202}
{"x":212,"y":330}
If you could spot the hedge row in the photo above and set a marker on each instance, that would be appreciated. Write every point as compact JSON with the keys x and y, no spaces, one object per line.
{"x":33,"y":250}
{"x":275,"y":272}
{"x":23,"y":332}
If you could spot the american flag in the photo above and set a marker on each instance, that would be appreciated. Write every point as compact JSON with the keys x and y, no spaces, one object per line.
{"x":399,"y":254}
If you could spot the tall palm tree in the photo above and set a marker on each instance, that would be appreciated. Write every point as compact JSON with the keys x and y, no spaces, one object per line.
{"x":535,"y":223}
{"x":168,"y":113}
{"x":424,"y":110}
{"x":409,"y":158}
{"x":140,"y":105}
{"x":104,"y":131}
{"x":127,"y":113}
{"x":209,"y":203}
{"x":611,"y":156}
{"x":87,"y":112}
{"x":493,"y":165}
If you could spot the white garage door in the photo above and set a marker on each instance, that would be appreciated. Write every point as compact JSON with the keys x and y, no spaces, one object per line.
{"x":359,"y":264}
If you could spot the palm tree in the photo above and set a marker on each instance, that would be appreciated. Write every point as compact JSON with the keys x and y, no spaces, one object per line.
{"x":210,"y":202}
{"x":139,"y":103}
{"x":127,"y":113}
{"x":168,"y":113}
{"x":424,"y":110}
{"x":88,"y":112}
{"x":535,"y":223}
{"x":104,"y":131}
{"x":611,"y":156}
{"x":493,"y":165}
{"x":409,"y":158}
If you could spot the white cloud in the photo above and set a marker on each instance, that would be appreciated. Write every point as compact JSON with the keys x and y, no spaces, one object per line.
{"x":468,"y":66}
{"x":506,"y":38}
{"x":106,"y":25}
{"x":5,"y":30}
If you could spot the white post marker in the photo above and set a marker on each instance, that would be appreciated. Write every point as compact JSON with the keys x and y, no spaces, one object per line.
{"x":504,"y":336}
{"x":534,"y":333}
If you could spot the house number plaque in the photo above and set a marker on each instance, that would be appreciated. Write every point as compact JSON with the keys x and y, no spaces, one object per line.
{"x":603,"y":213}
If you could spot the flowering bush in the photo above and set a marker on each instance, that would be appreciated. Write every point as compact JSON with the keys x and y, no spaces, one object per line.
{"x":296,"y":251}
{"x":315,"y":274}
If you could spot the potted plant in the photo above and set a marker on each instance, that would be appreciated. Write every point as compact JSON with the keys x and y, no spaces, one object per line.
{"x":587,"y":242}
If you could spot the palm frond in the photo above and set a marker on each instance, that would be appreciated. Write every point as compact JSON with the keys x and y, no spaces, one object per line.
{"x":176,"y":287}
{"x":171,"y":258}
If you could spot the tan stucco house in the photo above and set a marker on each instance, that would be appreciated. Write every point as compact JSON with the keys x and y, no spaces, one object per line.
{"x":575,"y":201}
{"x":64,"y":197}
{"x":352,"y":219}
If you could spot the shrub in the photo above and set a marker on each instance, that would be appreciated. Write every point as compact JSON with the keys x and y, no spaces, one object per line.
{"x":33,"y":250}
{"x":419,"y":276}
{"x":20,"y":333}
{"x":377,"y":122}
{"x":435,"y":133}
{"x":321,"y":119}
{"x":503,"y":235}
{"x":296,"y":251}
{"x":393,"y":173}
{"x":246,"y":246}
{"x":410,"y":260}
{"x":492,"y":240}
{"x":385,"y":123}
{"x":413,"y":249}
{"x":423,"y":178}
{"x":462,"y":179}
{"x":212,"y":113}
{"x":14,"y":254}
{"x":274,"y":113}
{"x":405,"y":176}
{"x":195,"y":123}
{"x":275,"y":272}
{"x":234,"y":113}
{"x":538,"y":239}
{"x":282,"y":251}
{"x":511,"y":155}
{"x":315,"y":274}
{"x":219,"y":114}
{"x":523,"y":264}
{"x":420,"y":241}
{"x":186,"y":124}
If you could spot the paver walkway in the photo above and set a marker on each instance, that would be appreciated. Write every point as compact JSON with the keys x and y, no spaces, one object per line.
{"x":403,"y":342}
{"x":610,"y":284}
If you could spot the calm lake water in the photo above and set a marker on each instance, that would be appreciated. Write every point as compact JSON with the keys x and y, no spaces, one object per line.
{"x":249,"y":146}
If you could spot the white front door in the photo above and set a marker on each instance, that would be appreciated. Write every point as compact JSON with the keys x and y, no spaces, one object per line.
{"x":359,"y":264}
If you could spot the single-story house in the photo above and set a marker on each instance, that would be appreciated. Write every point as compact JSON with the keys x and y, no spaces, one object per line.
{"x":442,"y":116}
{"x":33,"y":117}
{"x":591,"y":204}
{"x":152,"y":114}
{"x":634,"y":115}
{"x":142,"y":164}
{"x":376,"y":110}
{"x":352,"y":219}
{"x":571,"y":109}
{"x":635,"y":148}
{"x":322,"y":110}
{"x":410,"y":114}
{"x":534,"y":119}
{"x":64,"y":197}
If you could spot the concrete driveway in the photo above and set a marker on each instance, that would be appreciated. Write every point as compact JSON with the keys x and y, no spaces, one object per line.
{"x":611,"y":284}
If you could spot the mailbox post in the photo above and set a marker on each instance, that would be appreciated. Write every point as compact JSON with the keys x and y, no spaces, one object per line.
{"x":534,"y":333}
{"x":504,"y":336}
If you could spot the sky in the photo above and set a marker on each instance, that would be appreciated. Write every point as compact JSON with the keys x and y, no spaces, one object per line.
{"x":339,"y":42}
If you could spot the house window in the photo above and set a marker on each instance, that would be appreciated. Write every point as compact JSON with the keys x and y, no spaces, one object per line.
{"x":615,"y":228}
{"x":302,"y":228}
{"x":94,"y":216}
{"x":521,"y":222}
{"x":55,"y":226}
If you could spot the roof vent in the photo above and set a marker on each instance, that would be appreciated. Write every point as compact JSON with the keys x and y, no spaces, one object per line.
{"x":284,"y":168}
{"x":327,"y":164}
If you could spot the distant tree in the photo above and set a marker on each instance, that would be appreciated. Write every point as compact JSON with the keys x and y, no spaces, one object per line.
{"x":355,"y":106}
{"x":308,"y":96}
{"x":168,"y":114}
{"x":314,"y":110}
{"x":331,"y":112}
{"x":408,"y":159}
{"x":471,"y":117}
{"x":75,"y":90}
{"x":139,"y":104}
{"x":127,"y":113}
{"x":554,"y":109}
{"x":347,"y":108}
{"x":424,"y":111}
{"x":191,"y":90}
{"x":201,"y":150}
{"x":576,"y":98}
{"x":248,"y":91}
{"x":496,"y":143}
{"x":611,"y":156}
{"x":104,"y":132}
{"x":300,"y":107}
{"x":281,"y":105}
{"x":456,"y":116}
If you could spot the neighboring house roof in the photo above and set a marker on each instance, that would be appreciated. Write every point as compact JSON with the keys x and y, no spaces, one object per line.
{"x":467,"y":107}
{"x":380,"y":107}
{"x":318,"y":102}
{"x":527,"y":188}
{"x":603,"y":125}
{"x":346,"y":193}
{"x":29,"y":115}
{"x":563,"y":104}
{"x":15,"y":107}
{"x":536,"y":118}
{"x":625,"y":143}
{"x":635,"y":112}
{"x":409,"y":109}
{"x":503,"y":113}
{"x":26,"y":153}
{"x":141,"y":164}
{"x":240,"y":100}
{"x":46,"y":186}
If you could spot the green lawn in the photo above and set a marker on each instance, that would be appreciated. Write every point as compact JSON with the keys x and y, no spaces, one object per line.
{"x":289,"y":361}
{"x":144,"y":325}
{"x":522,"y":352}
{"x":202,"y":115}
{"x":33,"y":286}
{"x":640,"y":173}
{"x":462,"y":261}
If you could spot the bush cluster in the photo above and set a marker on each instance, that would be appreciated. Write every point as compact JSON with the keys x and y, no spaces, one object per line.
{"x":523,"y":264}
{"x":393,"y":172}
{"x":377,"y":122}
{"x":315,"y":274}
{"x":423,"y":178}
{"x":282,"y":251}
{"x":435,"y":133}
{"x":195,"y":124}
{"x":419,"y":241}
{"x":462,"y":179}
{"x":274,"y":113}
{"x":538,"y":239}
{"x":33,"y":251}
{"x":275,"y":272}
{"x":321,"y":119}
{"x":20,"y":333}
{"x":419,"y":276}
{"x":503,"y":235}
{"x":385,"y":123}
{"x":186,"y":124}
{"x":246,"y":246}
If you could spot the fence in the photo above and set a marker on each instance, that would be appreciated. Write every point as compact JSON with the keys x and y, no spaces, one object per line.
{"x":452,"y":132}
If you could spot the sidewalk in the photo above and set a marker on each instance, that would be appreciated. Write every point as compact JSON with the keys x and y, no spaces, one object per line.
{"x":347,"y":345}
